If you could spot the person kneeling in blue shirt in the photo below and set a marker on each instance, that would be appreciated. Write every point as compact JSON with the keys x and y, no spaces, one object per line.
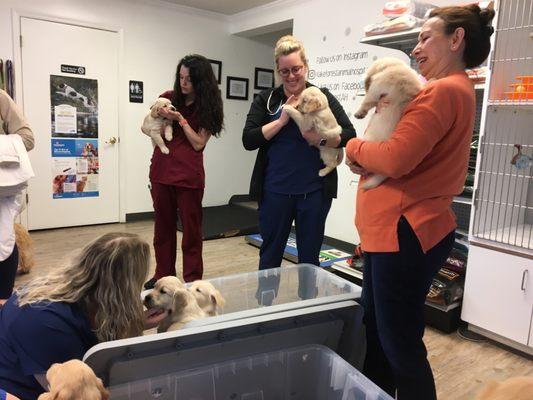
{"x":58,"y":317}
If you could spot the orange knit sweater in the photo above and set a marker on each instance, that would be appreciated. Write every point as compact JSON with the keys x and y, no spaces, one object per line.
{"x":426,"y":161}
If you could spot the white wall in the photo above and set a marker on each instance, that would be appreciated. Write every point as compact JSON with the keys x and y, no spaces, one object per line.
{"x":331,"y":28}
{"x":155,"y":36}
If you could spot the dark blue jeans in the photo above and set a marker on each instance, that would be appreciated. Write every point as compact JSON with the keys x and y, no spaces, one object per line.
{"x":395,"y":286}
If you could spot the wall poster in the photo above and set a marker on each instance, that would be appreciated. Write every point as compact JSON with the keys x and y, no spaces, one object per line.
{"x":74,"y":136}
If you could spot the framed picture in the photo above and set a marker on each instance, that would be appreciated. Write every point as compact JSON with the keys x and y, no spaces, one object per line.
{"x":217,"y":69}
{"x":237,"y":88}
{"x":264,"y":78}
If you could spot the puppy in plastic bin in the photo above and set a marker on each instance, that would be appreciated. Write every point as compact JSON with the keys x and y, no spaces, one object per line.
{"x":171,"y":297}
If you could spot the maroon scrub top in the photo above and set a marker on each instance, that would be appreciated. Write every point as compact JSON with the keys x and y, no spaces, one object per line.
{"x":184,"y":166}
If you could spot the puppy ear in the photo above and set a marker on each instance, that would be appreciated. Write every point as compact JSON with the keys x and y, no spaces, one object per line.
{"x":103,"y":391}
{"x":368,"y":80}
{"x":314,"y":104}
{"x":217,"y":299}
{"x":154,"y":111}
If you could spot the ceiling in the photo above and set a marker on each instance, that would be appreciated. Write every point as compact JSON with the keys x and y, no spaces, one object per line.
{"x":228,"y":7}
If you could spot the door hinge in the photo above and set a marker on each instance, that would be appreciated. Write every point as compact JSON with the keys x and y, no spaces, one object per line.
{"x":20,"y":37}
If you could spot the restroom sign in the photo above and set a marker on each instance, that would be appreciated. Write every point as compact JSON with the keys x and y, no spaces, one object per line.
{"x":136,"y":92}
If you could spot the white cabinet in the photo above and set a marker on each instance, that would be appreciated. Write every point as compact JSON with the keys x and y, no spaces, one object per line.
{"x":499,"y":294}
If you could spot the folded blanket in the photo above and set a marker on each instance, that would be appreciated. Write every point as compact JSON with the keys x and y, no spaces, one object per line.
{"x":8,"y":151}
{"x":14,"y":175}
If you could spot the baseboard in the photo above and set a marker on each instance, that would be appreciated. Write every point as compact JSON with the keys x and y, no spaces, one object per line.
{"x":142,"y":216}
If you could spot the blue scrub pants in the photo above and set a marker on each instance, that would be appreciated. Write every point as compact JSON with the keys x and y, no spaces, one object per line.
{"x":276,"y":215}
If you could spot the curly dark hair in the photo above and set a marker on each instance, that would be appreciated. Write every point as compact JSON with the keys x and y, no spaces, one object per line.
{"x":476,"y":23}
{"x":208,"y":102}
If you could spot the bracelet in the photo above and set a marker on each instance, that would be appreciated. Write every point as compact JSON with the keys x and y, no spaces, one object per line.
{"x":183,"y":122}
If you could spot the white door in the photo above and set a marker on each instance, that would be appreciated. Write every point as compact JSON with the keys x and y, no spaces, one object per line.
{"x":75,"y":121}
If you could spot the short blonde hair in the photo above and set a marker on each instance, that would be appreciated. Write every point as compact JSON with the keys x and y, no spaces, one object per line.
{"x":106,"y":279}
{"x":286,"y":45}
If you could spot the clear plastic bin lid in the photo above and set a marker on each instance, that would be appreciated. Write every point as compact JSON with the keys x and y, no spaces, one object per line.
{"x":279,"y":289}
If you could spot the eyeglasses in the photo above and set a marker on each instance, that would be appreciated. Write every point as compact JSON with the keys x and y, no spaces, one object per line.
{"x":285,"y":72}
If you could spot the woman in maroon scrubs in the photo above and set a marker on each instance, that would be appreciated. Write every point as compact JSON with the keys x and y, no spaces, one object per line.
{"x":178,"y":179}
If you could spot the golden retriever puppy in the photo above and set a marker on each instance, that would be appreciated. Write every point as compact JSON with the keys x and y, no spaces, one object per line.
{"x":154,"y":124}
{"x":73,"y":380}
{"x":25,"y":248}
{"x":311,"y":112}
{"x":208,"y":298}
{"x":392,"y":78}
{"x":517,"y":388}
{"x":163,"y":297}
{"x":185,"y":309}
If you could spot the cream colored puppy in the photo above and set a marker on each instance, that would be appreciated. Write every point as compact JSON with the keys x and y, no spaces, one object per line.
{"x":161,"y":297}
{"x":311,"y":112}
{"x":392,"y":78}
{"x":170,"y":296}
{"x":73,"y":380}
{"x":185,"y":309}
{"x":209,"y":299}
{"x":154,"y":124}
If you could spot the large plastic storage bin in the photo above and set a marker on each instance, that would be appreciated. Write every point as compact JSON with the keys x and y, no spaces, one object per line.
{"x":310,"y":372}
{"x":278,"y":289}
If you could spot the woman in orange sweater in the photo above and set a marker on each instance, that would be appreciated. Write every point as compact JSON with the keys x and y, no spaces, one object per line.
{"x":406,"y":224}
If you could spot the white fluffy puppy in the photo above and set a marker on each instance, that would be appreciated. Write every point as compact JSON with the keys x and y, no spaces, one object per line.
{"x":161,"y":298}
{"x":154,"y":124}
{"x":392,"y":78}
{"x":185,"y":309}
{"x":208,"y":298}
{"x":170,"y":296}
{"x":313,"y":111}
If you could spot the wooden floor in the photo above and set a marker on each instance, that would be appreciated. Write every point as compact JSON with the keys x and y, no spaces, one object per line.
{"x":460,"y":367}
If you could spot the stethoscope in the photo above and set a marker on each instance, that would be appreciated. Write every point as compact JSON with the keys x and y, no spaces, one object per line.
{"x":280,"y":105}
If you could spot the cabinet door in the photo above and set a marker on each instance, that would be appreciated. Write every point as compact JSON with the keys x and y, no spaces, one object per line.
{"x":498,"y":293}
{"x":530,"y":344}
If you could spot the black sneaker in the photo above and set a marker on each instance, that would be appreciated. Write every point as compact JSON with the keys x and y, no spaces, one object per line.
{"x":150,"y":284}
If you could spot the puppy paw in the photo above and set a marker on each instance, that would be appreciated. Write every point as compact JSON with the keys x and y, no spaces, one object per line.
{"x":324,"y":171}
{"x":360,"y":114}
{"x":165,"y":150}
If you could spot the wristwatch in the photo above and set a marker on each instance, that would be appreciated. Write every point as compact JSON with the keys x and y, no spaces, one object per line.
{"x":322,"y":142}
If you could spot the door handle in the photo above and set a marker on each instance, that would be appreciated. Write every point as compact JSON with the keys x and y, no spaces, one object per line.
{"x":112,"y":140}
{"x":524,"y":278}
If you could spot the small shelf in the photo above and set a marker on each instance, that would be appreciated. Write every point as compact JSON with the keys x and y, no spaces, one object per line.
{"x":348,"y":271}
{"x":511,"y":103}
{"x":462,"y":199}
{"x":519,"y":236}
{"x":479,"y":86}
{"x":404,"y":40}
{"x":445,"y":308}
